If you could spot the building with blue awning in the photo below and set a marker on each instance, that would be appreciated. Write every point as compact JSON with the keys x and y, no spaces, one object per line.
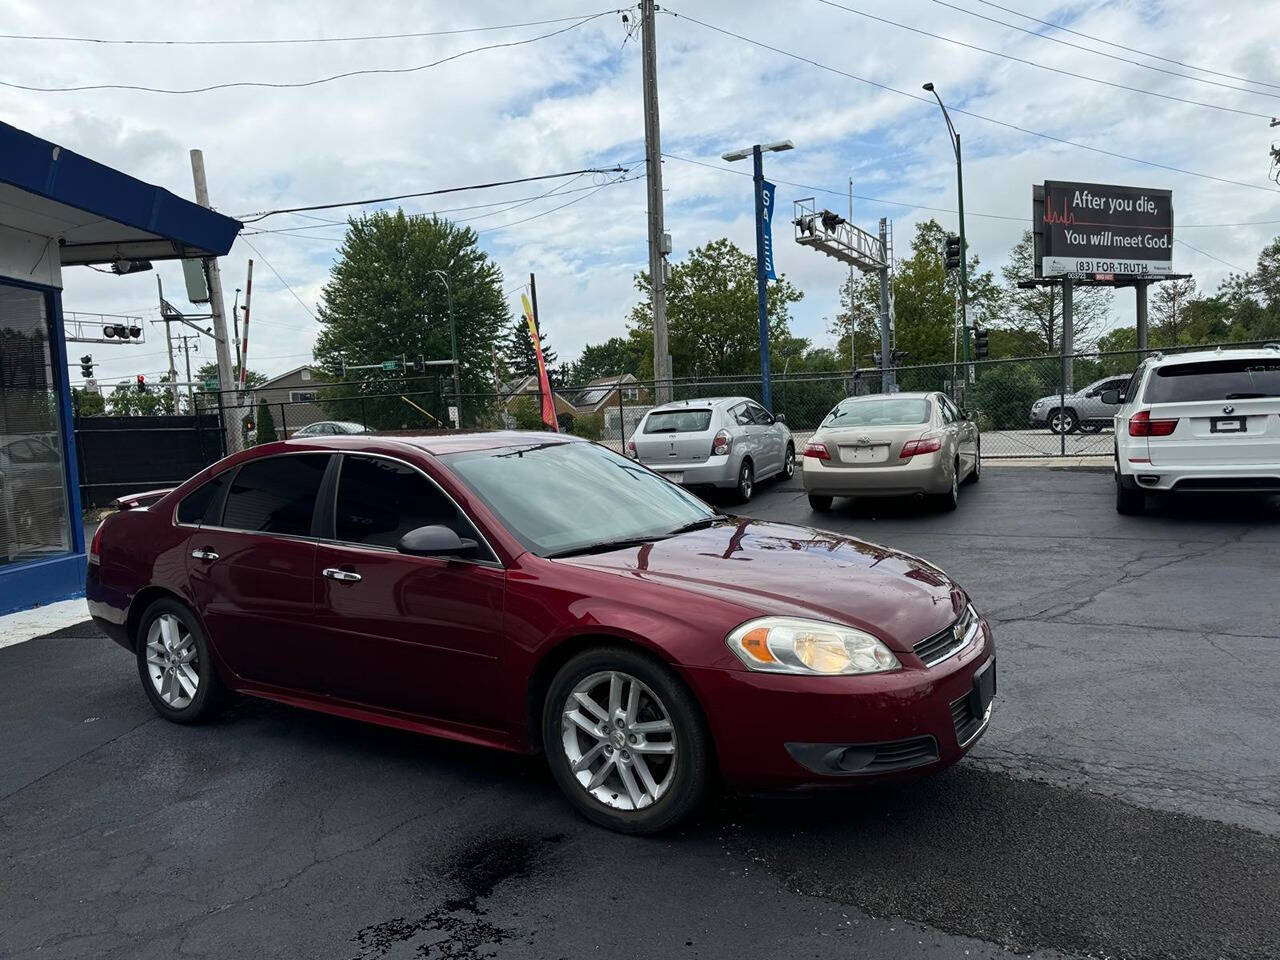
{"x":59,"y":209}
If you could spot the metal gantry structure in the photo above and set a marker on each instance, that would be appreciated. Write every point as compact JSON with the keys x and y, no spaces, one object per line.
{"x":835,"y":236}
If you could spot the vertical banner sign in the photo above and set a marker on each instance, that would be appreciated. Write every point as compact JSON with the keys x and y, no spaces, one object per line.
{"x":548,"y":402}
{"x":766,"y":226}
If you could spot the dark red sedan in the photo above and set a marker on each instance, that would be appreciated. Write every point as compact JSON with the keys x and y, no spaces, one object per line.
{"x":536,"y":592}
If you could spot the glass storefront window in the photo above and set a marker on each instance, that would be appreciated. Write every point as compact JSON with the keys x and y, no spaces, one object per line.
{"x":34,"y":517}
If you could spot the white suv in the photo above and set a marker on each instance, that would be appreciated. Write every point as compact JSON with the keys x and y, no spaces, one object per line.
{"x":1199,"y":422}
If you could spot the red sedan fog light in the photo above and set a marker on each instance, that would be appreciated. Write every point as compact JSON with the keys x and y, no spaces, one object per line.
{"x":1141,"y":425}
{"x":818,"y":450}
{"x":913,"y":447}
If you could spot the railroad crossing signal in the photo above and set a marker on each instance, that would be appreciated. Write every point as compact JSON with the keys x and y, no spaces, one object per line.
{"x":953,"y":252}
{"x":86,"y":367}
{"x":980,"y":346}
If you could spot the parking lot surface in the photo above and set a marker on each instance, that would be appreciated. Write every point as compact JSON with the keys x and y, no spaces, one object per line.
{"x":1124,"y":803}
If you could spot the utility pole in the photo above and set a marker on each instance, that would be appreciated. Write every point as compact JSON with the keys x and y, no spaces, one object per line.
{"x":186,"y":339}
{"x":173,"y":373}
{"x":242,"y":353}
{"x":217,"y":306}
{"x":888,"y":382}
{"x":658,"y":244}
{"x":853,"y":354}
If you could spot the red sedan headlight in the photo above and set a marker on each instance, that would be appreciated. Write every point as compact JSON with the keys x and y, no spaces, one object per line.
{"x":795,"y":645}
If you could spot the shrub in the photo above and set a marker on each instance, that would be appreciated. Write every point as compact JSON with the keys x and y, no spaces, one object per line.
{"x":266,"y":424}
{"x":587,"y":425}
{"x":1003,"y":396}
{"x":526,"y":413}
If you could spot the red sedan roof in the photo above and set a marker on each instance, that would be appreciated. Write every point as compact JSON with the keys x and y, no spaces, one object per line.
{"x":452,"y":441}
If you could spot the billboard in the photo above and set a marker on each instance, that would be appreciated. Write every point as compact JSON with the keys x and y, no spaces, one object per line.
{"x":1088,"y":229}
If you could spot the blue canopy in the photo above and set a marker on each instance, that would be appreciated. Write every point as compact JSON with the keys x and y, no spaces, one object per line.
{"x":99,"y":214}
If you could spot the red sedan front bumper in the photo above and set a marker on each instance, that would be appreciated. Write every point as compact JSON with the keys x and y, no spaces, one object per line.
{"x":775,"y":731}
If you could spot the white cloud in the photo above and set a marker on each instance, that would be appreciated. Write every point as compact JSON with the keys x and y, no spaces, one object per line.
{"x":575,"y":100}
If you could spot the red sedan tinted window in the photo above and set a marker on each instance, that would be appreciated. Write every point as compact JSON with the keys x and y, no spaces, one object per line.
{"x":276,"y":494}
{"x":379,"y":501}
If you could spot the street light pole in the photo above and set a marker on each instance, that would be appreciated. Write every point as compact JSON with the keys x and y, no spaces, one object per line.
{"x":964,"y":250}
{"x":762,"y":282}
{"x":756,"y":153}
{"x":453,"y":339}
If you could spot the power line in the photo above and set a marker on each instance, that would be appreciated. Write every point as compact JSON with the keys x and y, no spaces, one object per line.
{"x":262,"y":215}
{"x":544,"y":213}
{"x":326,"y":224}
{"x":970,"y":113}
{"x":843,"y":194}
{"x":250,"y":245}
{"x":511,"y":205}
{"x":1044,"y":66}
{"x":1210,"y":255}
{"x":307,"y":83}
{"x":1121,"y":46}
{"x":1103,"y":53}
{"x":266,"y":42}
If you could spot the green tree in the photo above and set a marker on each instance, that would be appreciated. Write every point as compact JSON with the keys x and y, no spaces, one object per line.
{"x":209,"y":371}
{"x":713,"y":324}
{"x":1170,"y":319}
{"x":88,"y":404}
{"x":384,"y":300}
{"x":266,"y":424}
{"x":1037,"y":312}
{"x":156,"y":400}
{"x":614,"y":357}
{"x":924,"y":299}
{"x":521,"y":360}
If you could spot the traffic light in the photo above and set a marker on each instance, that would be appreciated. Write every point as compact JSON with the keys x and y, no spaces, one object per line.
{"x":248,"y":424}
{"x":953,"y":252}
{"x":86,"y":367}
{"x":142,"y":384}
{"x":980,"y":347}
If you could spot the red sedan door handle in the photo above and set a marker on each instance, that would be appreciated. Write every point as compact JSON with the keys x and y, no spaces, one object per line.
{"x":345,"y":576}
{"x":204,"y":553}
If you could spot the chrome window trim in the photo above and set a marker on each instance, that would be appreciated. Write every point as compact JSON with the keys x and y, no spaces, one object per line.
{"x":497,"y":563}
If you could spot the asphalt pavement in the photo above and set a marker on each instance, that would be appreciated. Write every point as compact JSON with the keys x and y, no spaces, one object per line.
{"x":1124,"y":803}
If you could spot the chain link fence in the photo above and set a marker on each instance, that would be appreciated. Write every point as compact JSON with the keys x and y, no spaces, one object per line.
{"x":1025,"y":407}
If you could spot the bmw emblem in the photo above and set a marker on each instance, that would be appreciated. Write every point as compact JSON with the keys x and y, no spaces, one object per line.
{"x":1228,"y":409}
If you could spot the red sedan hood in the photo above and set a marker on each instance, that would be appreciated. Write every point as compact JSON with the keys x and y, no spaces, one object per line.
{"x":782,"y":569}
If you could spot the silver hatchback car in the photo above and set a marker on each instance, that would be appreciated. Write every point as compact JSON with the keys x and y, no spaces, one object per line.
{"x":726,"y":442}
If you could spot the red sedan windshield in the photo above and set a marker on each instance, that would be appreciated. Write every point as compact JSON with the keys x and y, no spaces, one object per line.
{"x":558,"y":497}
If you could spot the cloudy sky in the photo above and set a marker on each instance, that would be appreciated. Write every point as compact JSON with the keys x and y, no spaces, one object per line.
{"x":573,"y":99}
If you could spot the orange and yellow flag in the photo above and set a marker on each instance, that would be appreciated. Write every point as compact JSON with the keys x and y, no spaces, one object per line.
{"x":544,"y":382}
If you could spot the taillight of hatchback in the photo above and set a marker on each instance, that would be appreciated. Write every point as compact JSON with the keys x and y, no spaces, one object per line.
{"x":1141,"y":425}
{"x":721,"y":444}
{"x":914,"y":448}
{"x":631,"y":450}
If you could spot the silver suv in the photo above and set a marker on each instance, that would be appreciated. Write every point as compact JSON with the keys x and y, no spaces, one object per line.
{"x":1084,"y":410}
{"x":727,"y":442}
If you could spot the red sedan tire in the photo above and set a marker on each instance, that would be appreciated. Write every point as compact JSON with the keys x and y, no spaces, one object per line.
{"x":174,"y":664}
{"x":626,"y":741}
